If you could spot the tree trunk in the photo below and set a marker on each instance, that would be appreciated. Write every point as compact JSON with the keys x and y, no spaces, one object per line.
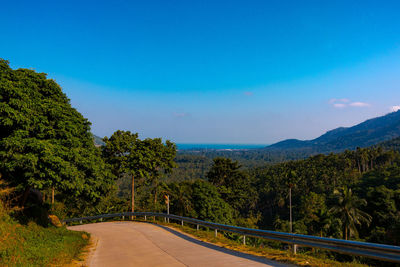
{"x":155,"y":196}
{"x":52,"y":195}
{"x":133,"y":196}
{"x":24,"y":196}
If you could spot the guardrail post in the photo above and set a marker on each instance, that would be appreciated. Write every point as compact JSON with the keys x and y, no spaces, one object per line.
{"x":244,"y":240}
{"x":294,"y":247}
{"x":182,"y":222}
{"x":123,"y":217}
{"x":154,"y":218}
{"x":165,"y":219}
{"x":145,"y":217}
{"x":80,"y":221}
{"x":101,"y":219}
{"x":197,"y":228}
{"x":215,"y":232}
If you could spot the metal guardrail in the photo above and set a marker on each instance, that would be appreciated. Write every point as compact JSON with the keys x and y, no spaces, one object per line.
{"x":370,"y":250}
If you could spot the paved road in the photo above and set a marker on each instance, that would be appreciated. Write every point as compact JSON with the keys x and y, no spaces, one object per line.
{"x":144,"y":244}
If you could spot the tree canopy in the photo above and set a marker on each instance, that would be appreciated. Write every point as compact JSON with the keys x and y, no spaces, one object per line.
{"x":45,"y":142}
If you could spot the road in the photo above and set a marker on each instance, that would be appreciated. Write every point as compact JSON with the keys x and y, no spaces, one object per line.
{"x":145,"y":244}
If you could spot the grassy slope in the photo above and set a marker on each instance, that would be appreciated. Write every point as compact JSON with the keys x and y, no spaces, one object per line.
{"x":33,"y":245}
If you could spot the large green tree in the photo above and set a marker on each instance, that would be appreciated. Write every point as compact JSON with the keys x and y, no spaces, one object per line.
{"x":146,"y":158}
{"x":44,"y":141}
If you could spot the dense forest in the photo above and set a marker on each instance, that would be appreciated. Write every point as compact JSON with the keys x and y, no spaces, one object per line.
{"x":48,"y":157}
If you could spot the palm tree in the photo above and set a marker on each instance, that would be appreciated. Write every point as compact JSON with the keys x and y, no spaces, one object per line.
{"x":347,"y":208}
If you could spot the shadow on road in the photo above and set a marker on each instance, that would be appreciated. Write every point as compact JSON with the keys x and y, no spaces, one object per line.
{"x":221,"y":249}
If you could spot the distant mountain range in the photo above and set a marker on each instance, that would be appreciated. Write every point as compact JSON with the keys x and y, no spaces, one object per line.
{"x":368,"y":133}
{"x":98,"y":141}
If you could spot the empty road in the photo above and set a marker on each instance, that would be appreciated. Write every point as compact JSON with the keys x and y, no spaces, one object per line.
{"x":144,"y":244}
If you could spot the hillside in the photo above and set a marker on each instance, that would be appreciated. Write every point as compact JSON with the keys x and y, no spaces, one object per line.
{"x":393,"y":144}
{"x":365,"y":134}
{"x":98,"y":141}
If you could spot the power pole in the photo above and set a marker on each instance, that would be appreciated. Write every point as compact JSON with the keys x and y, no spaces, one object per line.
{"x":290,"y":207}
{"x":290,"y":215}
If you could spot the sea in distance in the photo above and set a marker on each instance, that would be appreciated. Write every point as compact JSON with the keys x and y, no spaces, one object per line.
{"x":219,"y":146}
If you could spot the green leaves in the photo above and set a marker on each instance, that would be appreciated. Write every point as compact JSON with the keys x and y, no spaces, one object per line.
{"x":45,"y":142}
{"x":126,"y":153}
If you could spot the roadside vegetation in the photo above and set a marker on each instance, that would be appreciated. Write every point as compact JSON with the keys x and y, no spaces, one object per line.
{"x":31,"y":244}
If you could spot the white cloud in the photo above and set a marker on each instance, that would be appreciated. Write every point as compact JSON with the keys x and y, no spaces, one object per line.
{"x":395,"y":108}
{"x":345,"y":102}
{"x":359,"y":104}
{"x":339,"y":105}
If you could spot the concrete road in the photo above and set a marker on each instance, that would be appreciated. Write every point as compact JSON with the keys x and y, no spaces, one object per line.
{"x":144,"y":244}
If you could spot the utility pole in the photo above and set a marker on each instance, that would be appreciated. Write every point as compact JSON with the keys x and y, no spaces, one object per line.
{"x":290,"y":215}
{"x":290,"y":207}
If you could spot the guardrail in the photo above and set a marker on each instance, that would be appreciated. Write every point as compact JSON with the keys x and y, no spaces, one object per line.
{"x":370,"y":250}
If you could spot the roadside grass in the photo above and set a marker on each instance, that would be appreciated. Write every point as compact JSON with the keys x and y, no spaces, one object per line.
{"x":283,"y":256}
{"x":34,"y":245}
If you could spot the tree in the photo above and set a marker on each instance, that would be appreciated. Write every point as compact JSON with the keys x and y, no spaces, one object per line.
{"x":127,"y":154}
{"x":162,"y":161}
{"x":234,"y":185}
{"x":45,"y":142}
{"x":347,"y":208}
{"x":208,"y":205}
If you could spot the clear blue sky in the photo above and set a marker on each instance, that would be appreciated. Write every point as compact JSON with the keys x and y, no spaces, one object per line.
{"x":213,"y":71}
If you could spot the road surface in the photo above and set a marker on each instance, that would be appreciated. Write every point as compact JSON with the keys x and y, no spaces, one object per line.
{"x":144,"y":244}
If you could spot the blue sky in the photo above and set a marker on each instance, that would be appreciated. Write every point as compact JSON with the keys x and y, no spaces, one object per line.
{"x":213,"y":71}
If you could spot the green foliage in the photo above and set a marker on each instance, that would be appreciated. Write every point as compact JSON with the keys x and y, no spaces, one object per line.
{"x":33,"y":245}
{"x":44,"y":141}
{"x":148,"y":158}
{"x":198,"y":199}
{"x":208,"y":205}
{"x":347,"y":208}
{"x":234,"y":185}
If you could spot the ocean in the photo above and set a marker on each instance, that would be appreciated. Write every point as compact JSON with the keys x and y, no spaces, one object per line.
{"x":219,"y":146}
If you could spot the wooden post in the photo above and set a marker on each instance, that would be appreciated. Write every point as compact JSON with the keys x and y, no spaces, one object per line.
{"x":244,"y":240}
{"x":123,"y":217}
{"x":197,"y":228}
{"x":145,"y":217}
{"x":182,"y":222}
{"x":168,"y":207}
{"x":215,"y":232}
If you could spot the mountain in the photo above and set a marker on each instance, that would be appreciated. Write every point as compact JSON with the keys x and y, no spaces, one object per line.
{"x":98,"y":141}
{"x":393,"y":144}
{"x":368,"y":133}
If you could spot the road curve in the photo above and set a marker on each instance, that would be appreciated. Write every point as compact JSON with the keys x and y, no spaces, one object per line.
{"x":145,"y":244}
